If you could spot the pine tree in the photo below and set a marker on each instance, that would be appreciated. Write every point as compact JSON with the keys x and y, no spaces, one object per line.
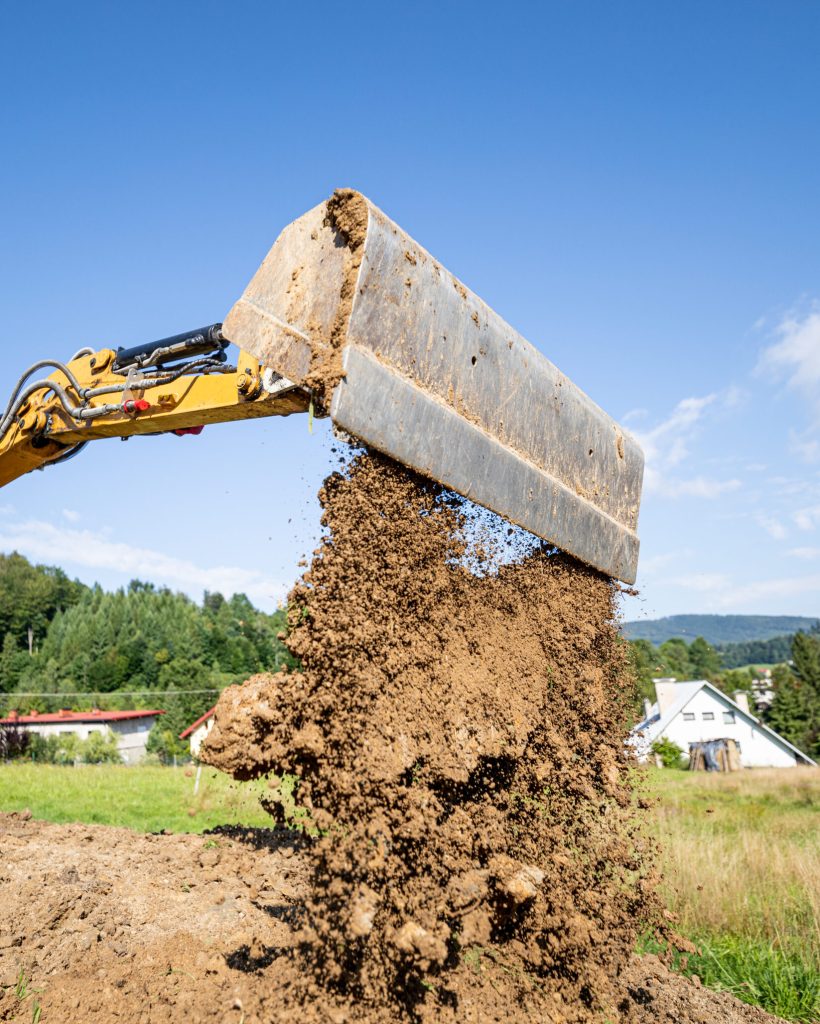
{"x":704,"y":659}
{"x":795,"y":710}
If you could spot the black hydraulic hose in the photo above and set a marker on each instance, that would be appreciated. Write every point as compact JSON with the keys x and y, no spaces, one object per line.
{"x":199,"y":366}
{"x":36,"y":366}
{"x":38,"y":385}
{"x":68,"y":454}
{"x":83,"y":413}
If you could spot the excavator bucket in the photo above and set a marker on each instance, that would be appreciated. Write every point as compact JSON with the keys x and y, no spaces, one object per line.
{"x":406,"y":358}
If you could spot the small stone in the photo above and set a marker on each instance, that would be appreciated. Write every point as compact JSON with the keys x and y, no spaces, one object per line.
{"x":364,"y":910}
{"x":210,"y":858}
{"x":476,"y":928}
{"x":418,"y":942}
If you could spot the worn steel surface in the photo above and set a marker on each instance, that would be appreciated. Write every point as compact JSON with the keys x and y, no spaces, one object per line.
{"x":436,"y":379}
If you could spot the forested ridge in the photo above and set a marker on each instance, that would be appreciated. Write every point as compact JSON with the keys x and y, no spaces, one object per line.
{"x":77,"y":646}
{"x":720,"y":630}
{"x":65,"y":644}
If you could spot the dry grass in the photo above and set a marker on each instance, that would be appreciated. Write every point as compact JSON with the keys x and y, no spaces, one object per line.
{"x":740,"y":853}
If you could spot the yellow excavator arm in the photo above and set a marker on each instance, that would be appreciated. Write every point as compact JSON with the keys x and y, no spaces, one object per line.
{"x":405,"y":358}
{"x":175,"y":385}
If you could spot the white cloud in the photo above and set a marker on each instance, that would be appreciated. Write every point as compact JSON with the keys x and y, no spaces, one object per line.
{"x":773,"y":527}
{"x":700,"y":487}
{"x":653,"y":565}
{"x":804,"y":446}
{"x":71,"y":515}
{"x":703,"y":582}
{"x":796,"y":355}
{"x":807,"y":518}
{"x":72,"y":547}
{"x":742,"y":595}
{"x":667,"y":445}
{"x":807,"y":553}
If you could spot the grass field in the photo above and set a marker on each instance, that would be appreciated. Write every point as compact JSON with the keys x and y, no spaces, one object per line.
{"x":740,"y":856}
{"x":147,"y":799}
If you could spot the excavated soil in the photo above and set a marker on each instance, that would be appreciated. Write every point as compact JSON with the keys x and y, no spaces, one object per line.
{"x":457,"y":730}
{"x":468,"y":846}
{"x":106,"y":925}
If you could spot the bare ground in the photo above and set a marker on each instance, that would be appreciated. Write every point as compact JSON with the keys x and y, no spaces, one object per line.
{"x":110,"y":925}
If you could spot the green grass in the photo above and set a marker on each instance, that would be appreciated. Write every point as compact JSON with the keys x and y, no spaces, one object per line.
{"x":147,"y":799}
{"x":740,"y":859}
{"x":783,"y":982}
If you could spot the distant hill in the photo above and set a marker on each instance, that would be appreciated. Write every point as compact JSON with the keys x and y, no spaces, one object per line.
{"x":716,"y":629}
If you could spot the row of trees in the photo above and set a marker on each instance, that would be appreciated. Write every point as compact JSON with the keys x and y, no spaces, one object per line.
{"x":141,"y":646}
{"x":795,"y":710}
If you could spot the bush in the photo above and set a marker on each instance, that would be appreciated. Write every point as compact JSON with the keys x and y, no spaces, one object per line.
{"x":14,"y":742}
{"x":100,"y":748}
{"x":670,"y":753}
{"x":68,"y":748}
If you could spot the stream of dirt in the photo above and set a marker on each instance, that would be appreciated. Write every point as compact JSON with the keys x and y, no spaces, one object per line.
{"x":472,"y":850}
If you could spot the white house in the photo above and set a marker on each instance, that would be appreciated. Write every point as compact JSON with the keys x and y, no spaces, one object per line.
{"x":130,"y":727}
{"x":197,"y":731}
{"x":687,"y":712}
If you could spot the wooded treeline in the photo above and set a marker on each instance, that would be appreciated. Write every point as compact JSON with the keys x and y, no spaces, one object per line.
{"x":142,"y":646}
{"x":60,"y":637}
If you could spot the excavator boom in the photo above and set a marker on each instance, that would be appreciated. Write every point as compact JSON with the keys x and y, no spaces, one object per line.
{"x":349,"y":317}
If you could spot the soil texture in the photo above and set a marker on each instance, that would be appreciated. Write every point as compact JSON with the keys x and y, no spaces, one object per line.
{"x":105,"y":925}
{"x":457,"y":730}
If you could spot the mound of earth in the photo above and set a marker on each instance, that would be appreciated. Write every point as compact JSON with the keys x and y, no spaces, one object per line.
{"x":108,"y":925}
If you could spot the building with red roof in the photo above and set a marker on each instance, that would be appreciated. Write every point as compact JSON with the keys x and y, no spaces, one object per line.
{"x":130,"y":727}
{"x":198,"y":730}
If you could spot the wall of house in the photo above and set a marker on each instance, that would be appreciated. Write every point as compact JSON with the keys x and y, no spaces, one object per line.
{"x":757,"y":748}
{"x":197,"y":737}
{"x":132,"y":734}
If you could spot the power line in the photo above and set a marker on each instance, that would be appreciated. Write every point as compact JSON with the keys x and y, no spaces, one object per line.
{"x":111,"y":693}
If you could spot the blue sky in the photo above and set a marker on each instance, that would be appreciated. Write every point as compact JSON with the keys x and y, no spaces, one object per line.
{"x":634,"y":186}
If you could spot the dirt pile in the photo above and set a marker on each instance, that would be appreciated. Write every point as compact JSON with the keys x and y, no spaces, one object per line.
{"x":457,"y":731}
{"x":104,"y":925}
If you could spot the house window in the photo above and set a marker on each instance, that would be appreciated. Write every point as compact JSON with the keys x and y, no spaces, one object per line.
{"x":689,"y":716}
{"x":708,"y":716}
{"x":729,"y":717}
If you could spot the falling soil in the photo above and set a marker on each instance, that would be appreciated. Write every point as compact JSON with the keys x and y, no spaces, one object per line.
{"x":458,"y":732}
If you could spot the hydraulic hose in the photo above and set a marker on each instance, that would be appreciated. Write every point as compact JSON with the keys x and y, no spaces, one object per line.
{"x":38,"y":385}
{"x":37,"y":366}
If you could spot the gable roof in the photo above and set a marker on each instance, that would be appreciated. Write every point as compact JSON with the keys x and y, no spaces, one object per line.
{"x":203,"y":718}
{"x":95,"y":715}
{"x":655,"y":724}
